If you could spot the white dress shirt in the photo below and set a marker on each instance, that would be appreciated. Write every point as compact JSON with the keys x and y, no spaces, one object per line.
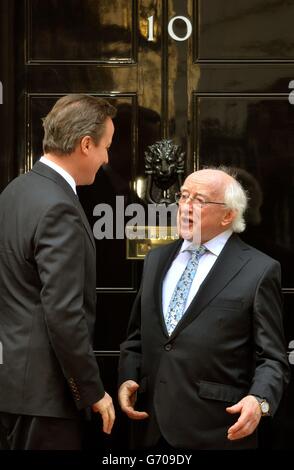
{"x":214,"y":247}
{"x":68,"y":178}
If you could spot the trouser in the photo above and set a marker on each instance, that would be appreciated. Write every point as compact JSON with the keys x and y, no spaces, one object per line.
{"x":23,"y":432}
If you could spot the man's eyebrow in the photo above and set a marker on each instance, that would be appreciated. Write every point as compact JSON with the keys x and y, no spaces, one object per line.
{"x":197,"y":194}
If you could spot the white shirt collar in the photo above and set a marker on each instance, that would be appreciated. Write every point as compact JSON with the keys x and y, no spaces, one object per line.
{"x":69,"y":179}
{"x":214,"y":246}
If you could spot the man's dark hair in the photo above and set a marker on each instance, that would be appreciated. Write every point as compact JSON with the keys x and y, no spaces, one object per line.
{"x":72,"y":118}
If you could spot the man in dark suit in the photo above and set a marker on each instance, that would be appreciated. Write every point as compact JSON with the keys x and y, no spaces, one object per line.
{"x":49,"y":378}
{"x":205,"y":356}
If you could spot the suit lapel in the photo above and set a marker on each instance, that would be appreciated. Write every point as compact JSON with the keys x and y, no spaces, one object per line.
{"x":44,"y":170}
{"x":231,"y":260}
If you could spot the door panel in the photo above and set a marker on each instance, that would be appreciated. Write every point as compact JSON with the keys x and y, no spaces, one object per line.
{"x":111,"y":327}
{"x":245,"y":30}
{"x":81,"y":30}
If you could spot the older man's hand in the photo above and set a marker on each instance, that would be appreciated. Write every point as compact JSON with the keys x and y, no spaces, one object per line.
{"x":127,"y":395}
{"x":249,"y":418}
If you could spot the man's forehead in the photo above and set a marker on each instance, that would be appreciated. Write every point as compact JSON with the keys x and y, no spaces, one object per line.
{"x":201,"y":182}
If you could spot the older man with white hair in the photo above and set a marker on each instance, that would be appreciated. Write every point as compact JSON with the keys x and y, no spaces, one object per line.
{"x":205,"y":356}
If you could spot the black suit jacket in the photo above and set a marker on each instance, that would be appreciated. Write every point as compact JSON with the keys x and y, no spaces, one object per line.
{"x":47,"y":298}
{"x":228,"y":344}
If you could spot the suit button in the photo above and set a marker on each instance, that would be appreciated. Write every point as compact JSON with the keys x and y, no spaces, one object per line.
{"x":168,"y":347}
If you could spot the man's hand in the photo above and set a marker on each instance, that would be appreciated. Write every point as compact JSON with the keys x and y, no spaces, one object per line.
{"x":127,"y":399}
{"x":249,"y":418}
{"x":106,"y":409}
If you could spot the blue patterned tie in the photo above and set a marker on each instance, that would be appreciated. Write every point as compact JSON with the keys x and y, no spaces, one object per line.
{"x":179,"y":298}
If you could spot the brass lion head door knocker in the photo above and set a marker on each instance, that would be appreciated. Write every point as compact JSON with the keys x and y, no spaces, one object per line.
{"x":164,"y":170}
{"x":164,"y":167}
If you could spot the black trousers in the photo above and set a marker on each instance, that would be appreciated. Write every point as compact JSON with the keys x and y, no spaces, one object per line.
{"x":22,"y":432}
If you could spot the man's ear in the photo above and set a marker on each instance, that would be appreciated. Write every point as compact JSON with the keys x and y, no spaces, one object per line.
{"x":85,"y":144}
{"x":228,"y":218}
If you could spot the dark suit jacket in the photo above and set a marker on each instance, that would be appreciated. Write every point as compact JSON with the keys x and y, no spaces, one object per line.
{"x":228,"y":344}
{"x":47,"y":298}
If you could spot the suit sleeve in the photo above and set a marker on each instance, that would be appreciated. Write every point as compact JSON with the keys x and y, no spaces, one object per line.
{"x":131,"y":350}
{"x":272,"y":370}
{"x":60,"y":258}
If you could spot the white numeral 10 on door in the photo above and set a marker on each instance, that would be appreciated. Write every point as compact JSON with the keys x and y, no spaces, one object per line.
{"x":170,"y":28}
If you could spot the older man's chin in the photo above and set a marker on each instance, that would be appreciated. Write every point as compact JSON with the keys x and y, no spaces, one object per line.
{"x":186,"y":235}
{"x":190,"y":235}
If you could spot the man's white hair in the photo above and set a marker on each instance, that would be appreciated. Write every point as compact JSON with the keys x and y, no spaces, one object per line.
{"x":236,"y":199}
